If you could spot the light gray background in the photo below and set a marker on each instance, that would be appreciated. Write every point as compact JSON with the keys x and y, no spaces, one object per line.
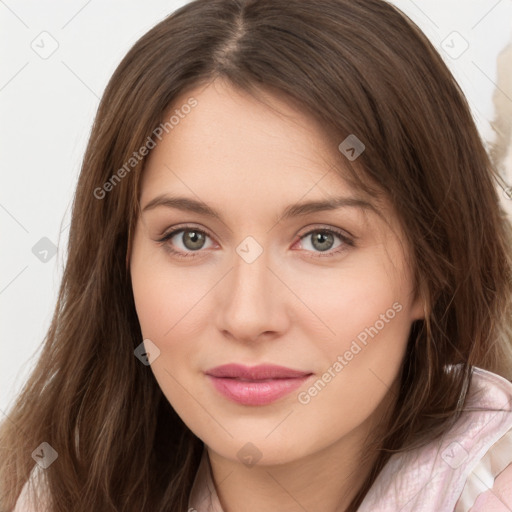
{"x":47,"y":107}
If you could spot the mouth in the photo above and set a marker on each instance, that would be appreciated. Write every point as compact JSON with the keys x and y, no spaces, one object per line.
{"x":256,"y":385}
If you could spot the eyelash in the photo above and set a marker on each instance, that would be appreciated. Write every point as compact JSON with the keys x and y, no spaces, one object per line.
{"x":192,"y":254}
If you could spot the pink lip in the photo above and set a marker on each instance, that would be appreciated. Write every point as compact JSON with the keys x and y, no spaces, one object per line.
{"x":256,"y":385}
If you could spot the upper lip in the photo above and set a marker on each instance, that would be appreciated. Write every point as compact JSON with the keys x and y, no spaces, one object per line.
{"x":259,"y":372}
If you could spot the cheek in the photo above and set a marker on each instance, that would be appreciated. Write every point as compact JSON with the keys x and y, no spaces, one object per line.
{"x":168,"y":309}
{"x":360,"y":364}
{"x":363,"y":294}
{"x":366,"y":309}
{"x":172,"y":308}
{"x":169,"y":300}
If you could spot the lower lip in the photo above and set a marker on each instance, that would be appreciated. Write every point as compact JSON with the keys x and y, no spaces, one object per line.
{"x":254,"y":392}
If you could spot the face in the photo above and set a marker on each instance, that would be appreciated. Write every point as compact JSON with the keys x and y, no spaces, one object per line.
{"x":325,"y":293}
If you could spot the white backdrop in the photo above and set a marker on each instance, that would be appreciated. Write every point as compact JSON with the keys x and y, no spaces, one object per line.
{"x":57,"y":57}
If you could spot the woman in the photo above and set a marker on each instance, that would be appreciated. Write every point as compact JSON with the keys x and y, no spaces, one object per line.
{"x":288,"y":284}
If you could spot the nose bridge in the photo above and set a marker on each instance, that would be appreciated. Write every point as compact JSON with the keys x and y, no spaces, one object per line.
{"x":250,"y":277}
{"x":249,"y":299}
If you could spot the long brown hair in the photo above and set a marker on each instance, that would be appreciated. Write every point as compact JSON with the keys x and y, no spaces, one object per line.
{"x":359,"y":66}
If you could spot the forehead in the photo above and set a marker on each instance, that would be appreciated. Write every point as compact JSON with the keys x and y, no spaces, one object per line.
{"x":230,"y":133}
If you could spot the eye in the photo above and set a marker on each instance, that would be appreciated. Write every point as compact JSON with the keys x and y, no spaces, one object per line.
{"x":189,"y":239}
{"x":322,"y":240}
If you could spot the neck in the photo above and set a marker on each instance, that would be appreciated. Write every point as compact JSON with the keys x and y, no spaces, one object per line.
{"x":326,"y":480}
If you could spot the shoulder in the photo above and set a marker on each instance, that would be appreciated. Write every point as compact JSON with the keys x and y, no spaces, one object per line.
{"x":487,"y":491}
{"x":31,"y":498}
{"x":446,"y":475}
{"x":488,"y":486}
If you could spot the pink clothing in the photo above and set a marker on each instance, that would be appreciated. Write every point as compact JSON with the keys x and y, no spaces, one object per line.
{"x":468,"y":470}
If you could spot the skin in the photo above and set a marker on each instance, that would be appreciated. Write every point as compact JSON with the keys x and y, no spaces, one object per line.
{"x":292,"y":306}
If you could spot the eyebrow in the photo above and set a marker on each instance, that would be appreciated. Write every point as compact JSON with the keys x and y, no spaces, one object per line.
{"x":192,"y":205}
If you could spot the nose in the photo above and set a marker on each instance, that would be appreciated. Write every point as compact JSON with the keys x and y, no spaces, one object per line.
{"x":252,"y":301}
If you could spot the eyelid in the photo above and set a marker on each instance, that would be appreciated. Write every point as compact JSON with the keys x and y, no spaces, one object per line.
{"x":327,"y":227}
{"x":168,"y":233}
